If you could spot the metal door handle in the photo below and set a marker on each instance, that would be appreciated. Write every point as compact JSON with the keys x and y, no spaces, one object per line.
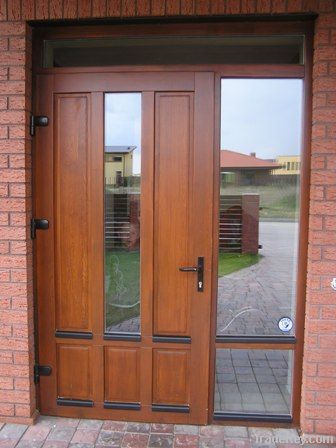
{"x":189,"y":269}
{"x":200,"y":272}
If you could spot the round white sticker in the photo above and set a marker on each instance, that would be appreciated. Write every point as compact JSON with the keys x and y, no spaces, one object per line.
{"x":285,"y":324}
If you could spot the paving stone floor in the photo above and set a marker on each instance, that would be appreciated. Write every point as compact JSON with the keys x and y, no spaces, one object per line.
{"x":253,"y":381}
{"x":55,"y":432}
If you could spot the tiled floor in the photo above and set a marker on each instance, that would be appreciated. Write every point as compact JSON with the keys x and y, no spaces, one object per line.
{"x":53,"y":432}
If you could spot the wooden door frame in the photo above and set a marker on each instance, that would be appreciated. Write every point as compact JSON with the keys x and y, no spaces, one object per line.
{"x":288,"y":71}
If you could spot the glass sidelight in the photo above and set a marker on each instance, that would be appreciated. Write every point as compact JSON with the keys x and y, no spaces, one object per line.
{"x":258,"y":234}
{"x":260,"y":167}
{"x":122,"y":159}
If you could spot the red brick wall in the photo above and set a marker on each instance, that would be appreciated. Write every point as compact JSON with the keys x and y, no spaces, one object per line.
{"x":16,"y":305}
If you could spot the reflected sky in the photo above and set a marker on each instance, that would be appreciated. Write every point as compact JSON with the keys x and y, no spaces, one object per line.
{"x":261,"y":116}
{"x":123,"y":123}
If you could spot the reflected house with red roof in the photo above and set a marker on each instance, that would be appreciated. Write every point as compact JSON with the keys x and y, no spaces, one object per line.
{"x":242,"y":169}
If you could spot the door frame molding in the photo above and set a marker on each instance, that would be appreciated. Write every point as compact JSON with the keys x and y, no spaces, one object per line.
{"x":300,"y":25}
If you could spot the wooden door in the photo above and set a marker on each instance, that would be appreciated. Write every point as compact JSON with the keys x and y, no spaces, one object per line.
{"x":160,"y":372}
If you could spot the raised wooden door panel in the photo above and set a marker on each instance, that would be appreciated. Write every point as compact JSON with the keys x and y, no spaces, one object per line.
{"x":75,"y":372}
{"x":71,"y":210}
{"x":122,"y":375}
{"x":171,"y":377}
{"x":172,"y":192}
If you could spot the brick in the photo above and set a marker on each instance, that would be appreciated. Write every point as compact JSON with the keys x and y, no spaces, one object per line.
{"x":13,"y":261}
{"x":14,"y":396}
{"x":5,"y":332}
{"x":232,"y":6}
{"x":114,"y":8}
{"x":21,"y":384}
{"x":128,"y":8}
{"x":317,"y":192}
{"x":12,"y":233}
{"x":322,"y":207}
{"x":328,"y":312}
{"x":3,"y":103}
{"x":12,"y":58}
{"x":20,"y":331}
{"x":263,"y":6}
{"x":84,"y":8}
{"x":12,"y":87}
{"x":55,"y":9}
{"x":12,"y":29}
{"x":4,"y":246}
{"x":19,"y":275}
{"x":12,"y":117}
{"x":326,"y":114}
{"x":17,"y":44}
{"x":3,"y":163}
{"x":99,"y":8}
{"x":4,"y":277}
{"x":3,"y":132}
{"x":4,"y":219}
{"x":326,"y":5}
{"x":17,"y":102}
{"x":187,"y":7}
{"x":321,"y":327}
{"x":6,"y":383}
{"x":173,"y":7}
{"x":321,"y":177}
{"x":70,"y":9}
{"x":12,"y":146}
{"x":22,"y":410}
{"x":323,"y":298}
{"x":18,"y":219}
{"x":12,"y":175}
{"x":19,"y":302}
{"x":7,"y":409}
{"x":17,"y":73}
{"x":319,"y":130}
{"x":325,"y":427}
{"x":19,"y":161}
{"x":331,"y":99}
{"x":314,"y":253}
{"x":322,"y":37}
{"x":17,"y":132}
{"x":326,"y":21}
{"x":327,"y":370}
{"x":18,"y":248}
{"x":158,"y":7}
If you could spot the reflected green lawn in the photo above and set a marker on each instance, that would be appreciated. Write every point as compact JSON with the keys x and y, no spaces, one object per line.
{"x":231,"y":262}
{"x":122,"y":285}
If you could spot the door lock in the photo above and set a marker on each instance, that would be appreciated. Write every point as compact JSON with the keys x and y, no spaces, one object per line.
{"x":200,"y":272}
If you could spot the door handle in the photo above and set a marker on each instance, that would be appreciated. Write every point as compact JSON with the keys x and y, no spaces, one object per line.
{"x":200,"y":272}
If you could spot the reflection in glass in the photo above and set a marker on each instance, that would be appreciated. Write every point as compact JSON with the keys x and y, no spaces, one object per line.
{"x":253,"y":381}
{"x":259,"y":205}
{"x":122,"y":211}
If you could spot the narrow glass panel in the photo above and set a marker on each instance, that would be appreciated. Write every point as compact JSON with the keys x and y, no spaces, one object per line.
{"x":259,"y":206}
{"x":173,"y":50}
{"x":253,"y":381}
{"x":122,"y":211}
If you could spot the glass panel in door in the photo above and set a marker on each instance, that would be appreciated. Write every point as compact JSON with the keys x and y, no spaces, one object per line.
{"x":122,"y":157}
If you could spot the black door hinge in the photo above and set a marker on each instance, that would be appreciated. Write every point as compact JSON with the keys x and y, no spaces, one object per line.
{"x":41,"y":371}
{"x":38,"y":224}
{"x":37,"y":120}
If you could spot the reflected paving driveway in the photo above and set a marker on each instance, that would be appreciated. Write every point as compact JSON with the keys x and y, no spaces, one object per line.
{"x":251,"y":301}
